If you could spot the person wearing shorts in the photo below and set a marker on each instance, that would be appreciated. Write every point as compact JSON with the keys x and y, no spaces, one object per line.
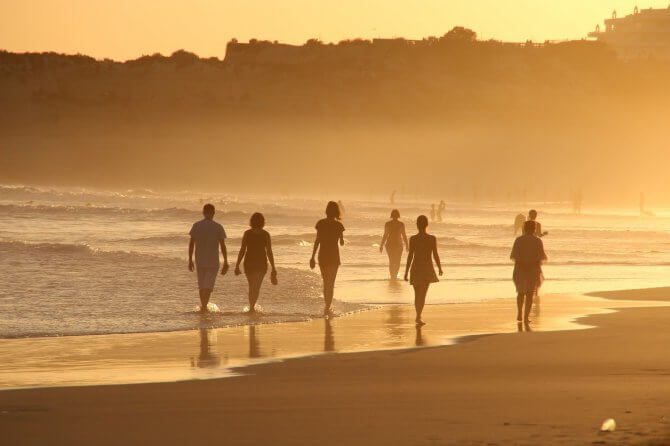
{"x":206,"y":238}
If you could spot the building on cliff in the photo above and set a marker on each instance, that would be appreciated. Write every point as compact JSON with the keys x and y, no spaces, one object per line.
{"x":643,"y":34}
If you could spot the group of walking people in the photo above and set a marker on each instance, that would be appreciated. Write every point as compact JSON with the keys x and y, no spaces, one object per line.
{"x":208,"y":236}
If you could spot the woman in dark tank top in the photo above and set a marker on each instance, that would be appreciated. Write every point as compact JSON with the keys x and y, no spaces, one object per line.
{"x":256,"y":250}
{"x":329,"y":233}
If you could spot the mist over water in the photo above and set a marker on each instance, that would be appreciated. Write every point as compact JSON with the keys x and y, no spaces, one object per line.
{"x":80,"y":261}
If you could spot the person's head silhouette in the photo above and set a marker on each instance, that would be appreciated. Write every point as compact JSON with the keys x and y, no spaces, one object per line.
{"x":332,"y":210}
{"x":208,"y":211}
{"x":395,"y":214}
{"x":257,"y":221}
{"x":422,"y":223}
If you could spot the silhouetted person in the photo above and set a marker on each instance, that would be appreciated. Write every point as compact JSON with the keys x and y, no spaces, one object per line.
{"x":394,"y":238}
{"x":519,"y":220}
{"x":442,"y":206}
{"x":206,"y":237}
{"x":393,"y":197}
{"x":420,"y":264}
{"x":532,"y":216}
{"x":329,"y":231}
{"x":432,"y":212}
{"x":528,"y":255}
{"x":256,"y":250}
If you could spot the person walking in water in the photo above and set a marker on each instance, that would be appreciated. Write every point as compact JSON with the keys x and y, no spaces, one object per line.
{"x":394,"y":238}
{"x":441,"y":209}
{"x":519,"y":220}
{"x":433,"y":213}
{"x":206,"y":238}
{"x":528,"y":255}
{"x":256,"y":250}
{"x":532,"y":216}
{"x":329,"y":231}
{"x":420,"y":265}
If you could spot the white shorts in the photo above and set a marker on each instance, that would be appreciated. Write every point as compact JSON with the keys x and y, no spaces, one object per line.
{"x":207,"y":276}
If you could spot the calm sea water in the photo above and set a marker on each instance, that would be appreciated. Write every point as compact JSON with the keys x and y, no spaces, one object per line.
{"x":78,"y":261}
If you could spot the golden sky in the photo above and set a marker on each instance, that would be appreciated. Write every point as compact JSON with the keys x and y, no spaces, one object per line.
{"x":123,"y":29}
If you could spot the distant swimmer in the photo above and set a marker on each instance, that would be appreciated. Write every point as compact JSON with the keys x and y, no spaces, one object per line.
{"x":432,"y":212}
{"x":394,"y":239}
{"x":519,"y":220}
{"x":256,"y":250}
{"x":329,"y":232}
{"x":441,"y":209}
{"x":528,"y":255}
{"x":393,"y":197}
{"x":420,"y":264}
{"x":532,"y":216}
{"x":206,"y":238}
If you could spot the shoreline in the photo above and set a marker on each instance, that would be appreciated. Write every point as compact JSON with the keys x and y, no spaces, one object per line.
{"x":212,"y":353}
{"x":528,"y":388}
{"x":543,"y":387}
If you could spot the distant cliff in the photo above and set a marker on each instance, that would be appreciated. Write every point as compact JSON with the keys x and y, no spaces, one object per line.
{"x":448,"y":101}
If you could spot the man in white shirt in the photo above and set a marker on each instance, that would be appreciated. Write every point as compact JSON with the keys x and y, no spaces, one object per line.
{"x":206,"y":237}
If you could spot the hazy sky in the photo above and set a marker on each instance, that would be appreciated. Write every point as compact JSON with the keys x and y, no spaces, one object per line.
{"x":123,"y":29}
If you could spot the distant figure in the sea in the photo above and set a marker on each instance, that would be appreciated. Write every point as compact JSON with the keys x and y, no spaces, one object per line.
{"x":532,"y":216}
{"x":420,"y":264}
{"x":528,"y":255}
{"x":643,"y":210}
{"x":442,"y":206}
{"x":393,"y":239}
{"x":577,"y":200}
{"x":329,"y":231}
{"x":393,"y":197}
{"x":433,"y":213}
{"x":341,"y":206}
{"x":256,"y":250}
{"x":206,"y":238}
{"x":519,"y":220}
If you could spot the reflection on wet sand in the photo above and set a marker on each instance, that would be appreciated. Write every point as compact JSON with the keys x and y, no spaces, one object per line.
{"x":419,"y":342}
{"x":159,"y":357}
{"x":206,"y":358}
{"x":328,"y":336}
{"x":254,"y":343}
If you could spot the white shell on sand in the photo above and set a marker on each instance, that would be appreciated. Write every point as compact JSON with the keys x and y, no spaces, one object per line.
{"x":608,"y":425}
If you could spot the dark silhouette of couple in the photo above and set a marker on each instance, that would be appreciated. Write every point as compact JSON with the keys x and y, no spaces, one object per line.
{"x":256,"y":250}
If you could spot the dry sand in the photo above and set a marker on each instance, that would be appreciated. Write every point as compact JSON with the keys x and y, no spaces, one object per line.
{"x":514,"y":388}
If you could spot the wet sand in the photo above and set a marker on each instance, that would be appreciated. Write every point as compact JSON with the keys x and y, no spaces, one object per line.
{"x":542,"y":387}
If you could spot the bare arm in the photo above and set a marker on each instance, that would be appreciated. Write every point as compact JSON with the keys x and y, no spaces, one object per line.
{"x":436,"y":256}
{"x":410,"y":258}
{"x":191,"y":248}
{"x":241,"y":254}
{"x":404,"y":236}
{"x":271,"y":256}
{"x":317,"y":242}
{"x":384,"y":237}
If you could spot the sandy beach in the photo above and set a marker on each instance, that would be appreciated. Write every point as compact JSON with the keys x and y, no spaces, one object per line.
{"x":550,"y":387}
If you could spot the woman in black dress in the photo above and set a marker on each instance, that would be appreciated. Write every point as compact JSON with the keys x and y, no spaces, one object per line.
{"x":329,"y":231}
{"x":256,"y":250}
{"x":528,"y":255}
{"x":420,"y":264}
{"x":393,"y":239}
